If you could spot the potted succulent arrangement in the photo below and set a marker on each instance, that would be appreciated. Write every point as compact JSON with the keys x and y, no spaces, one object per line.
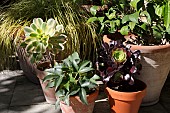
{"x":118,"y":66}
{"x":144,"y":25}
{"x":75,"y":84}
{"x":42,"y":41}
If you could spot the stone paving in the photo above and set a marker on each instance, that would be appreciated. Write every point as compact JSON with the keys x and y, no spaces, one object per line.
{"x":19,"y":95}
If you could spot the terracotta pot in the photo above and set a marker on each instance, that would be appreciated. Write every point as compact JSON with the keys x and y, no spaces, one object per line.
{"x":49,"y":93}
{"x":155,"y":68}
{"x":126,"y":102}
{"x":76,"y":106}
{"x":28,"y":69}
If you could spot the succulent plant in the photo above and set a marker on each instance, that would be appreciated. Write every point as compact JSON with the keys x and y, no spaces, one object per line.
{"x":117,"y":64}
{"x":72,"y":77}
{"x":42,"y":36}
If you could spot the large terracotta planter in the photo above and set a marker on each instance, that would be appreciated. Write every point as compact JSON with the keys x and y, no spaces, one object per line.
{"x":28,"y":69}
{"x":49,"y":93}
{"x":126,"y":102}
{"x":76,"y":106}
{"x":155,"y":68}
{"x":35,"y":75}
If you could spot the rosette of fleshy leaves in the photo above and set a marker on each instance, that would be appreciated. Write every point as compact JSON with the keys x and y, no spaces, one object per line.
{"x":42,"y":36}
{"x":117,"y":64}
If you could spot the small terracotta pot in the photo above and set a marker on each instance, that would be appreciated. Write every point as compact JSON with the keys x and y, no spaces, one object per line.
{"x":126,"y":102}
{"x":76,"y":106}
{"x":49,"y":93}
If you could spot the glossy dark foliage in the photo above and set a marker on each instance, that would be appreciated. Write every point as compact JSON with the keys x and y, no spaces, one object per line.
{"x":118,"y":73}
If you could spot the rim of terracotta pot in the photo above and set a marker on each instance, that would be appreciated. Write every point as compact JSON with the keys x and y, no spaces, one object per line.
{"x":94,"y":94}
{"x":144,"y":49}
{"x":129,"y":95}
{"x":151,"y":49}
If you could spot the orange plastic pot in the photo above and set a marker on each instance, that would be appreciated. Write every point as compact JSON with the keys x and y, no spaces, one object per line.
{"x":76,"y":106}
{"x":126,"y":102}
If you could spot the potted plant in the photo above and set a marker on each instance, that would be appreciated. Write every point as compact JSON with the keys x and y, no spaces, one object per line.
{"x":118,"y":66}
{"x":144,"y":24}
{"x":42,"y":41}
{"x":75,"y":84}
{"x":20,"y":13}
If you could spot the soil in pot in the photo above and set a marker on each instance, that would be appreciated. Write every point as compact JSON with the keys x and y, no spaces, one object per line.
{"x":128,"y":101}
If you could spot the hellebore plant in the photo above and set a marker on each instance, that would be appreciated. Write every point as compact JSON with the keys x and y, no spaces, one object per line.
{"x":72,"y":77}
{"x":43,"y":37}
{"x":118,"y":65}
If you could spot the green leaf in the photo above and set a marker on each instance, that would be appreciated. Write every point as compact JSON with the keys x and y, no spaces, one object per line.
{"x":101,"y":19}
{"x":102,"y":27}
{"x":75,"y":92}
{"x":112,"y":27}
{"x":159,"y":10}
{"x":50,"y":84}
{"x":23,"y":44}
{"x":148,"y":18}
{"x":60,"y":93}
{"x":92,"y":19}
{"x":133,"y":3}
{"x":83,"y":96}
{"x":57,"y":104}
{"x":125,"y":19}
{"x":95,"y":77}
{"x":49,"y":77}
{"x":51,"y":23}
{"x":112,"y":15}
{"x":124,"y":30}
{"x":93,"y":10}
{"x":75,"y":65}
{"x":59,"y":81}
{"x":83,"y":64}
{"x":28,"y":30}
{"x":44,"y":27}
{"x":59,"y":28}
{"x":85,"y":84}
{"x":143,"y":26}
{"x":132,"y":25}
{"x":29,"y":47}
{"x":75,"y":56}
{"x":37,"y":22}
{"x":167,"y":15}
{"x":33,"y":26}
{"x":33,"y":34}
{"x":67,"y":86}
{"x":134,"y":17}
{"x":85,"y":70}
{"x":117,"y":22}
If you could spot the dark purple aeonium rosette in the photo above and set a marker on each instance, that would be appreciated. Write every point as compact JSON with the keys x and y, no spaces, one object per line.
{"x":117,"y":64}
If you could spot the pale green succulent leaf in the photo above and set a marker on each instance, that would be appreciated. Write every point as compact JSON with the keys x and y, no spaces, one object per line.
{"x":33,"y":26}
{"x":28,"y":30}
{"x":60,"y":28}
{"x":44,"y":27}
{"x":38,"y":22}
{"x":51,"y":23}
